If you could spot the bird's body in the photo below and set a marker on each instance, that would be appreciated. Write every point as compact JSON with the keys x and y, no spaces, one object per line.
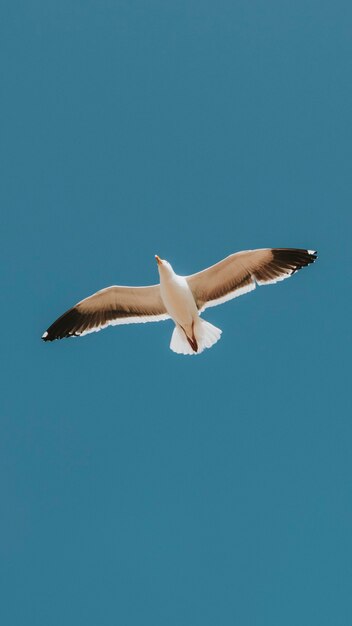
{"x":178,"y":299}
{"x":181,"y":306}
{"x":182,"y":298}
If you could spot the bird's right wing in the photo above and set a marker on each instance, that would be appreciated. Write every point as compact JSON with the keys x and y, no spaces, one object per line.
{"x":108,"y":307}
{"x":240,"y":273}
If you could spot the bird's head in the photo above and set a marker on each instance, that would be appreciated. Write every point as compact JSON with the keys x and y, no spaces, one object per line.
{"x":164,"y":266}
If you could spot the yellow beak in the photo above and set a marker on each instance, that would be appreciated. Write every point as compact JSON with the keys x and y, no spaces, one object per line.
{"x":158,"y":260}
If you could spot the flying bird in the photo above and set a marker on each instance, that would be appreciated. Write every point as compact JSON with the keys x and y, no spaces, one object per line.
{"x":181,"y":298}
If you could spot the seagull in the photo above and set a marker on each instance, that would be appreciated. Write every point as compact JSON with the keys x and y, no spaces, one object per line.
{"x":181,"y":298}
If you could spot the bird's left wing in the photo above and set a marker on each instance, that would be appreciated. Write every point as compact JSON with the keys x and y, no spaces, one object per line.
{"x":240,"y":273}
{"x":109,"y":307}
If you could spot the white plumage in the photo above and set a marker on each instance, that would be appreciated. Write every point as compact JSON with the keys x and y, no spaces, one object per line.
{"x":181,"y":298}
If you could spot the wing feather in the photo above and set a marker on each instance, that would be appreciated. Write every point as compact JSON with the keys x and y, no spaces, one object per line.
{"x":240,"y":273}
{"x":109,"y":307}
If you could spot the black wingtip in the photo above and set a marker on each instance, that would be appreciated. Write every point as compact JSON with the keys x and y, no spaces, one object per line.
{"x":295,"y":257}
{"x":66,"y":325}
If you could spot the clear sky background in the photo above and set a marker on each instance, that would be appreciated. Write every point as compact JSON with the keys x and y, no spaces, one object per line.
{"x":139,"y":486}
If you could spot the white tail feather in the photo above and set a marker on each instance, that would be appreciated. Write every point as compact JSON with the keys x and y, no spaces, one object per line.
{"x":205,"y":333}
{"x":179,"y":343}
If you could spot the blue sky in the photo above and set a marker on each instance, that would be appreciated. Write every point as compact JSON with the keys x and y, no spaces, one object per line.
{"x":138,"y":486}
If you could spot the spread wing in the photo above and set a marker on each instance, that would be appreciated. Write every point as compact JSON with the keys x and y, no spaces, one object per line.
{"x":109,"y":307}
{"x":240,"y":273}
